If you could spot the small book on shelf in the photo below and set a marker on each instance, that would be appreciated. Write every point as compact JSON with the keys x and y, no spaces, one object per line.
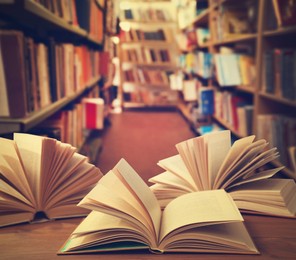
{"x":209,"y":162}
{"x":41,"y":176}
{"x":127,"y":216}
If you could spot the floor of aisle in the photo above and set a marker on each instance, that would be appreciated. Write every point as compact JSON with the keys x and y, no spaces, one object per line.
{"x":142,"y":138}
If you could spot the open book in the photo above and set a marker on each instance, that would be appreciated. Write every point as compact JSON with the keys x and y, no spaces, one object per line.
{"x":40,"y":176}
{"x":209,"y":162}
{"x":126,"y":216}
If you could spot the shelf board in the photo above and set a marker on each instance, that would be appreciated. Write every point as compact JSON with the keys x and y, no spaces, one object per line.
{"x":227,"y":126}
{"x":244,"y":88}
{"x":201,"y":19}
{"x":234,"y":39}
{"x":8,"y":125}
{"x":138,"y":105}
{"x":38,"y":18}
{"x":166,"y":65}
{"x":280,"y":31}
{"x":278,"y":99}
{"x":40,"y":11}
{"x":148,"y":85}
{"x":132,"y":22}
{"x":148,"y":42}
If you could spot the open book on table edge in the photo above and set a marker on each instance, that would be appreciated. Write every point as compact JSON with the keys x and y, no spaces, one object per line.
{"x":41,"y":179}
{"x":210,"y":162}
{"x":126,"y":216}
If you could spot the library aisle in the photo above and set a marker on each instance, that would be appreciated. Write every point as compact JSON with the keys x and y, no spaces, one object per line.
{"x":142,"y":138}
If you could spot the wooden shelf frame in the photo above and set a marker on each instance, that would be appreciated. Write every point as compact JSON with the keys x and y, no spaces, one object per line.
{"x":8,"y":125}
{"x":40,"y":19}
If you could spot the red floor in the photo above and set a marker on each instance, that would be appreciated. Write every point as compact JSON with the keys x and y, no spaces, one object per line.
{"x":142,"y":138}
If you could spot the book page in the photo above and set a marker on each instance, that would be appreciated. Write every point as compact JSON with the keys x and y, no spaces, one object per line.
{"x":176,"y":166}
{"x":142,"y":193}
{"x":117,"y":201}
{"x":195,"y":162}
{"x":67,"y":174}
{"x":269,"y":196}
{"x":218,"y":144}
{"x":12,"y":169}
{"x":246,"y":167}
{"x":97,"y":228}
{"x":30,"y":149}
{"x":122,"y":193}
{"x":78,"y":183}
{"x":232,"y":155}
{"x":256,"y":177}
{"x":245,"y":156}
{"x":201,"y":160}
{"x":172,"y":181}
{"x":199,"y":209}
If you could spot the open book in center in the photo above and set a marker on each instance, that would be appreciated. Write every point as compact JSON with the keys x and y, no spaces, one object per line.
{"x":40,"y":176}
{"x":209,"y":162}
{"x":126,"y":215}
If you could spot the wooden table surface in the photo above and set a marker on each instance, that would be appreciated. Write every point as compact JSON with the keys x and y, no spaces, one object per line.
{"x":274,"y":237}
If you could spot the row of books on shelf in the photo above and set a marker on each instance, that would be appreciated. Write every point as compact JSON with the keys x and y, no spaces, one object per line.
{"x":35,"y":74}
{"x":84,"y":14}
{"x":151,"y":97}
{"x":236,"y":111}
{"x":279,"y":66}
{"x":65,"y":126}
{"x":229,"y":68}
{"x":137,"y":35}
{"x":147,"y":76}
{"x":233,"y":19}
{"x":192,"y":38}
{"x":146,"y":55}
{"x":197,"y":62}
{"x":209,"y":179}
{"x":234,"y":69}
{"x":146,"y":14}
{"x":73,"y":123}
{"x":279,"y":130}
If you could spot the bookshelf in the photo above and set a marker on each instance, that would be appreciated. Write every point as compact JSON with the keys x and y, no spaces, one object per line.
{"x":66,"y":69}
{"x":267,"y":40}
{"x":147,"y":50}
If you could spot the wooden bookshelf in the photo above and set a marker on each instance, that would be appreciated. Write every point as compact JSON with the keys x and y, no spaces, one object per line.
{"x":48,"y":26}
{"x":146,"y":19}
{"x":8,"y":125}
{"x":265,"y":35}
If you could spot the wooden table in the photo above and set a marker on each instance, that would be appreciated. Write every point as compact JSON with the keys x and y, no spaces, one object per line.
{"x":274,"y":237}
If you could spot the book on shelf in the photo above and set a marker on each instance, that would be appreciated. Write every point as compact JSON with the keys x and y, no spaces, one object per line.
{"x":245,"y":119}
{"x":236,"y":20}
{"x":202,"y":35}
{"x":210,"y":162}
{"x":13,"y":87}
{"x":126,"y":216}
{"x":41,"y":174}
{"x":279,"y":78}
{"x":190,"y":90}
{"x":279,"y":130}
{"x":143,"y":14}
{"x":93,"y":113}
{"x":292,"y":157}
{"x":206,"y":100}
{"x":227,"y":68}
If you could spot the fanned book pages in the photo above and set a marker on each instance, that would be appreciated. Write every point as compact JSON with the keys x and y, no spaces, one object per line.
{"x":126,"y":216}
{"x":210,"y":162}
{"x":40,"y":176}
